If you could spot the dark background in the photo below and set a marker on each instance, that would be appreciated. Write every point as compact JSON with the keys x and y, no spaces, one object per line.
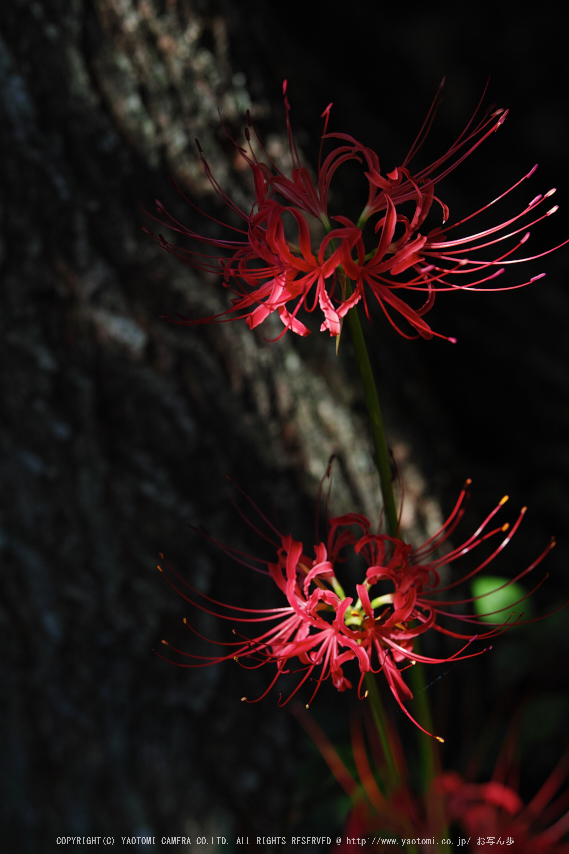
{"x":117,"y":430}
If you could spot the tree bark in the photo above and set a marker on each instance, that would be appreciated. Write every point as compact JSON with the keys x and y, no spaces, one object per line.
{"x":119,"y":429}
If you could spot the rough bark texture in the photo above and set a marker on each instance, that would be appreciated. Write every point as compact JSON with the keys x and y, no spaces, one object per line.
{"x":118,"y":430}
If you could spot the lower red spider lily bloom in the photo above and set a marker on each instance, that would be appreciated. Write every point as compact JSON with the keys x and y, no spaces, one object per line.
{"x":490,"y":813}
{"x":292,"y":255}
{"x":320,"y":630}
{"x":494,"y":810}
{"x":301,"y":632}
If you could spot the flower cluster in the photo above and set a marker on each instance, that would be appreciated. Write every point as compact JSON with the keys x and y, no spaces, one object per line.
{"x":292,"y":254}
{"x":399,"y":598}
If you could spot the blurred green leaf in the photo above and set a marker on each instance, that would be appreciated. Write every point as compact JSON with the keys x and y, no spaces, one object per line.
{"x":499,"y":604}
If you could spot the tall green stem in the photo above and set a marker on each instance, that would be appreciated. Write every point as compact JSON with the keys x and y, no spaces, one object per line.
{"x":382,"y":726}
{"x":382,"y":459}
{"x":395,"y":780}
{"x":429,"y":760}
{"x":386,"y":482}
{"x":430,"y":765}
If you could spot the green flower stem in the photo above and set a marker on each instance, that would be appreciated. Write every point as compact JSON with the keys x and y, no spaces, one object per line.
{"x":430,"y":765}
{"x":382,"y":459}
{"x":395,"y":778}
{"x":429,"y":758}
{"x":384,"y":468}
{"x":382,"y":726}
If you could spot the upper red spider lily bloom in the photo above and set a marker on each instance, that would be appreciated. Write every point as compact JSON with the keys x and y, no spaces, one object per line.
{"x":277,"y":261}
{"x":323,"y":629}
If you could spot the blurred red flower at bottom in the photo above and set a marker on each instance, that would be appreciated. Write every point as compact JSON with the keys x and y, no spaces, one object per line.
{"x":387,"y":813}
{"x":488,"y":812}
{"x":478,"y":815}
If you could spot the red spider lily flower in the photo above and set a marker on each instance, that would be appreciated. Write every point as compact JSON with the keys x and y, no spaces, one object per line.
{"x":276,"y":262}
{"x":302,"y":631}
{"x":487,"y":812}
{"x":322,"y":629}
